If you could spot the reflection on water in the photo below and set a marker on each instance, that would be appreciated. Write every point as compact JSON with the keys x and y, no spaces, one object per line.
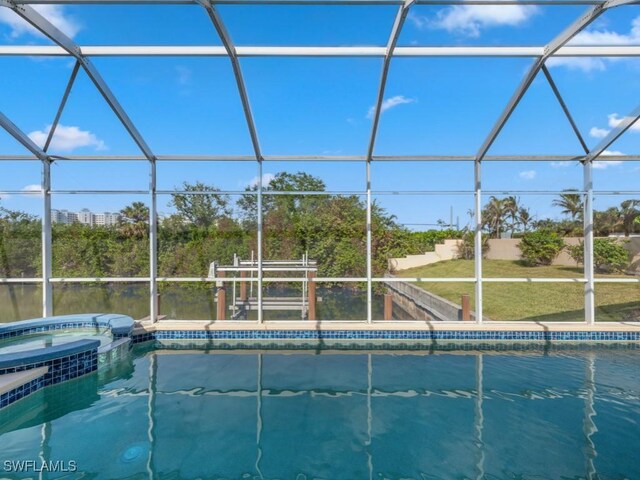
{"x":179,"y":414}
{"x":177,"y":301}
{"x":20,"y":302}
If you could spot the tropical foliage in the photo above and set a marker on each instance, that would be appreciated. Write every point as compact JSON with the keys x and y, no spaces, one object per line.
{"x":609,"y":256}
{"x":299,"y":217}
{"x":540,"y":247}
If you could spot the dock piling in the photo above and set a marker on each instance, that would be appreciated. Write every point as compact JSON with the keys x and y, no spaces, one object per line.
{"x":222,"y":298}
{"x":466,"y":307}
{"x":388,"y":306}
{"x":311,"y":292}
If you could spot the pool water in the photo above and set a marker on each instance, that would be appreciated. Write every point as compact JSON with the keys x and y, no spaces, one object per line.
{"x":189,"y":414}
{"x":60,"y":337}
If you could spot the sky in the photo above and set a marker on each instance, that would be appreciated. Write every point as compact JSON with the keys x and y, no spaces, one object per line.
{"x":305,"y":106}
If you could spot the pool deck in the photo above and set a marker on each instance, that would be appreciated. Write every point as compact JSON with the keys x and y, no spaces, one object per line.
{"x":199,"y":325}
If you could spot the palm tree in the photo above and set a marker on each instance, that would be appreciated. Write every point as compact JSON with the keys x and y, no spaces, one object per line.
{"x":570,"y":203}
{"x":494,"y":215}
{"x":628,"y":214}
{"x":511,"y":205}
{"x":134,"y":219}
{"x":606,"y":221}
{"x":525,"y":218}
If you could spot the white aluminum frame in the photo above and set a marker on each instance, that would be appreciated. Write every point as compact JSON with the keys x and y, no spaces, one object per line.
{"x":556,"y":48}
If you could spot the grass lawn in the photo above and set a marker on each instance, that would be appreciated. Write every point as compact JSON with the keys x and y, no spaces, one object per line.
{"x":531,"y":301}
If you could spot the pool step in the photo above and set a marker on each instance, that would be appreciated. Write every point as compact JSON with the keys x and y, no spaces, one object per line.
{"x":14,"y":386}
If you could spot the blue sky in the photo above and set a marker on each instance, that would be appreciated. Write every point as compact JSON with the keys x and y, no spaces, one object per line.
{"x":321,"y":106}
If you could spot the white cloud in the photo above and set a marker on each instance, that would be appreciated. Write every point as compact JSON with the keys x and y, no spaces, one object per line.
{"x":602,"y":164}
{"x":597,"y":37}
{"x":560,"y":164}
{"x":67,"y":138}
{"x":266,"y":180}
{"x":27,"y":189}
{"x":528,"y":174}
{"x":390,"y":103}
{"x":585,"y":64}
{"x":615,"y":120}
{"x":606,"y":37}
{"x":419,"y":21}
{"x":472,"y":19}
{"x":54,"y":13}
{"x":596,"y":132}
{"x":32,"y":188}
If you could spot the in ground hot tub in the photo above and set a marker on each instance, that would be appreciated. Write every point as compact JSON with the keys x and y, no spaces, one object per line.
{"x":34,"y":341}
{"x":45,"y":351}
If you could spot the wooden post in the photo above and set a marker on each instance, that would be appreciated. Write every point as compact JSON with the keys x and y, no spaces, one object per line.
{"x":311,"y":292}
{"x":222,"y":298}
{"x":243,"y":287}
{"x":466,"y":307}
{"x":388,"y":306}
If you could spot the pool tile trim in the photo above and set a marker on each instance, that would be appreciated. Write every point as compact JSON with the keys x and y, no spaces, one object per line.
{"x":379,"y":334}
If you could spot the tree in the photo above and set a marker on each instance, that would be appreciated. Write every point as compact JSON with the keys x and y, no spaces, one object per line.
{"x":495,"y":214}
{"x":281,"y":182}
{"x":512,"y":208}
{"x":19,"y":244}
{"x":134,"y":220}
{"x":201,"y":208}
{"x":606,"y":222}
{"x":628,"y":214}
{"x":525,"y":218}
{"x":571,"y":204}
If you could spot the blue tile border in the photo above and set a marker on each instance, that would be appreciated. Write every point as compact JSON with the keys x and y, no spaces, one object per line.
{"x":427,"y":346}
{"x":16,"y":394}
{"x":61,"y":369}
{"x":42,"y":355}
{"x":430,"y":335}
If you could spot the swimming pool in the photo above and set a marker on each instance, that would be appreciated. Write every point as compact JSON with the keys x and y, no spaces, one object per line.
{"x":183,"y":413}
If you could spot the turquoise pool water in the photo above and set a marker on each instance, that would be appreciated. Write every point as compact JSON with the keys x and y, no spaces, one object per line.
{"x":189,"y":414}
{"x":59,"y":337}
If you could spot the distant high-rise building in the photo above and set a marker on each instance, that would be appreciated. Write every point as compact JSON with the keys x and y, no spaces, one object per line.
{"x":63,"y":216}
{"x":85,"y":216}
{"x":106,"y":218}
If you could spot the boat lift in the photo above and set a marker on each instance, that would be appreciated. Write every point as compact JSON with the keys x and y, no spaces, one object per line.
{"x":243,"y":298}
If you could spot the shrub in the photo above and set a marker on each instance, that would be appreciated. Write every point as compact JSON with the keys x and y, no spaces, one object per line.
{"x":540,"y":247}
{"x":576,"y":252}
{"x":608,"y":255}
{"x":421,"y":242}
{"x":466,"y":247}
